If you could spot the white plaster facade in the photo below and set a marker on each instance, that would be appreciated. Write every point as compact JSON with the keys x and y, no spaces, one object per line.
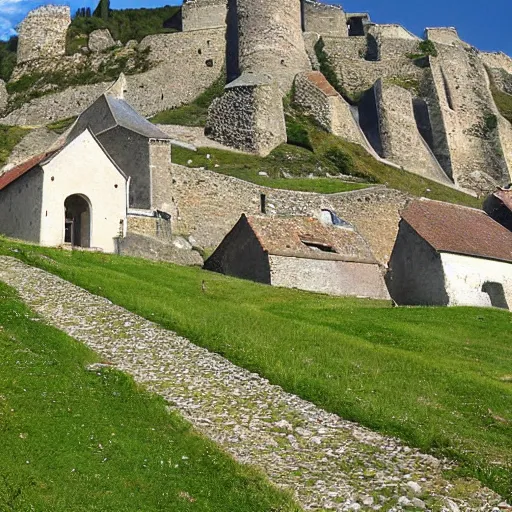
{"x":465,"y":276}
{"x":32,"y":207}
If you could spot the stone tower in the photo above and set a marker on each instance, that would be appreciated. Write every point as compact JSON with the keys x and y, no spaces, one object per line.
{"x":42,"y":34}
{"x":270,"y":39}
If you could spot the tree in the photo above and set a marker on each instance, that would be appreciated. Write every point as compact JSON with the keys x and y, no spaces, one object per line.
{"x":103,"y":10}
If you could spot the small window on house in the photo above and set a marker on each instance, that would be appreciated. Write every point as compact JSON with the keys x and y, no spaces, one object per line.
{"x":263,"y":203}
{"x":318,"y":246}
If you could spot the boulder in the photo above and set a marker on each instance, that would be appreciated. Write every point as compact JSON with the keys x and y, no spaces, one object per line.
{"x":101,"y":40}
{"x":3,"y":95}
{"x":132,"y":44}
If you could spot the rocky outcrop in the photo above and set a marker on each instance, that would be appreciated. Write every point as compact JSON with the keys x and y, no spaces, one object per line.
{"x":100,"y":40}
{"x":4,"y":96}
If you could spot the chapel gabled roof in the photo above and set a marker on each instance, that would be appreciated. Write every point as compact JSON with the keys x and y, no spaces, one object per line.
{"x":459,"y":229}
{"x":307,"y":237}
{"x":127,"y":117}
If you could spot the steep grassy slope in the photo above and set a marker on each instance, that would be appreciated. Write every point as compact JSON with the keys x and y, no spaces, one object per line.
{"x":9,"y":137}
{"x":74,"y":439}
{"x":439,"y":378}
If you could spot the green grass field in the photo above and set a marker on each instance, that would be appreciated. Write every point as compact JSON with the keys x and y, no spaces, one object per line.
{"x":76,"y":440}
{"x":438,"y":378}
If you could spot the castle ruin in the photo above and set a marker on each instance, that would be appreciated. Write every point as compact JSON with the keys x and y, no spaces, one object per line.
{"x":430,"y":113}
{"x":42,"y":34}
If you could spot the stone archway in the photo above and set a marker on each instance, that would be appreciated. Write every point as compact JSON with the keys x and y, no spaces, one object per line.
{"x":77,"y":221}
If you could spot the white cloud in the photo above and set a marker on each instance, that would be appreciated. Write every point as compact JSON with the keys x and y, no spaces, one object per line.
{"x":12,"y":12}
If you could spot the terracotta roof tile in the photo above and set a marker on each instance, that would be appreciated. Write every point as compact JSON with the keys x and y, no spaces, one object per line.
{"x":21,"y":169}
{"x":458,"y":229}
{"x":318,"y":79}
{"x":305,"y":237}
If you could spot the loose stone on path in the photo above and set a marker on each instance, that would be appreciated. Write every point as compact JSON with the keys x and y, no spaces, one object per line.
{"x":328,"y":463}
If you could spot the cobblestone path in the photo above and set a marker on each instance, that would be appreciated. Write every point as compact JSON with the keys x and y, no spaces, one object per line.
{"x":329,"y":463}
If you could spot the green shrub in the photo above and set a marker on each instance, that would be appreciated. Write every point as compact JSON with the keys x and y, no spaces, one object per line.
{"x":491,"y":122}
{"x":342,"y":160}
{"x":8,"y":57}
{"x":427,"y":47}
{"x":297,"y":134}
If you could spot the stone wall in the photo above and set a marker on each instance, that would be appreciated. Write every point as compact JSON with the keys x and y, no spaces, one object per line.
{"x":204,"y":14}
{"x":324,"y":19}
{"x":152,"y":226}
{"x":400,"y":139}
{"x":160,"y":169}
{"x":270,"y":39}
{"x":4,"y":96}
{"x":313,"y":93}
{"x":357,"y":74}
{"x":207,"y":205}
{"x":463,"y":112}
{"x":183,"y":66}
{"x":249,"y":116}
{"x":333,"y":277}
{"x":42,"y":34}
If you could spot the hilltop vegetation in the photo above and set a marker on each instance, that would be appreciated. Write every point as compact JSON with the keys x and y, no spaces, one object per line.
{"x":438,"y":378}
{"x":71,"y":436}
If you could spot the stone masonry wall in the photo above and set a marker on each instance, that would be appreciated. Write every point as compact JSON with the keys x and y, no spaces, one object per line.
{"x":324,"y":19}
{"x":183,"y":66}
{"x":42,"y":34}
{"x":270,"y":39}
{"x":204,"y":14}
{"x":400,"y":138}
{"x":206,"y":205}
{"x":160,"y":168}
{"x":469,"y":118}
{"x":357,"y":74}
{"x":249,"y":116}
{"x":314,"y":93}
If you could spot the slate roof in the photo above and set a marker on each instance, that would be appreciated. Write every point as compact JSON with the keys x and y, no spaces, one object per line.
{"x":17,"y":172}
{"x":459,"y":230}
{"x":127,"y":117}
{"x":298,"y":236}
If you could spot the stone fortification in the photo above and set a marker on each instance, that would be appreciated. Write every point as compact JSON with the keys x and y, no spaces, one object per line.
{"x":42,"y":34}
{"x":314,"y":93}
{"x":203,"y":14}
{"x":360,"y":61}
{"x":270,"y":39}
{"x":4,"y":96}
{"x":499,"y":67}
{"x":324,"y":19}
{"x":183,"y":65}
{"x":206,"y":205}
{"x":400,"y":139}
{"x":465,"y":116}
{"x":249,"y":116}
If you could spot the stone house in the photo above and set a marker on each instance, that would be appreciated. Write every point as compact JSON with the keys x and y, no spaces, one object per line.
{"x":138,"y":147}
{"x":75,"y":195}
{"x":450,"y":255}
{"x":499,"y":206}
{"x":299,"y":252}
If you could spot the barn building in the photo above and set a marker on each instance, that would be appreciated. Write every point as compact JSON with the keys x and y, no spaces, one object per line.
{"x":300,"y":252}
{"x":450,"y":255}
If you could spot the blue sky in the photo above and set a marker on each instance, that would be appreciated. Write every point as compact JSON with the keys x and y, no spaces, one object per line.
{"x":486,"y":32}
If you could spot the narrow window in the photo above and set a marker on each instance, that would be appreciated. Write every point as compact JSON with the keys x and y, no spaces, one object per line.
{"x":263,"y":203}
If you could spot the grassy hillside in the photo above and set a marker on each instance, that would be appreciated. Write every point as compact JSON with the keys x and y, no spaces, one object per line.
{"x":9,"y":137}
{"x":312,"y":151}
{"x":195,"y":113}
{"x":74,"y":439}
{"x":439,"y":378}
{"x":503,"y":102}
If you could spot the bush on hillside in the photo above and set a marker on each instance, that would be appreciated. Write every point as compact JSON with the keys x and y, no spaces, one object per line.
{"x":297,"y":134}
{"x":8,"y":57}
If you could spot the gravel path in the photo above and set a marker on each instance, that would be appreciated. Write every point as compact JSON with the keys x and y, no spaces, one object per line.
{"x":329,"y":463}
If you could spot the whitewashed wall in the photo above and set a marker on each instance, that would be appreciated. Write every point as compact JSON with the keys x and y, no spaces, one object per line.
{"x":465,"y":276}
{"x":83,"y":168}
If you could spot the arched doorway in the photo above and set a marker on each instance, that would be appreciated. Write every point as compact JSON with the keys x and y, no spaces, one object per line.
{"x":77,"y":221}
